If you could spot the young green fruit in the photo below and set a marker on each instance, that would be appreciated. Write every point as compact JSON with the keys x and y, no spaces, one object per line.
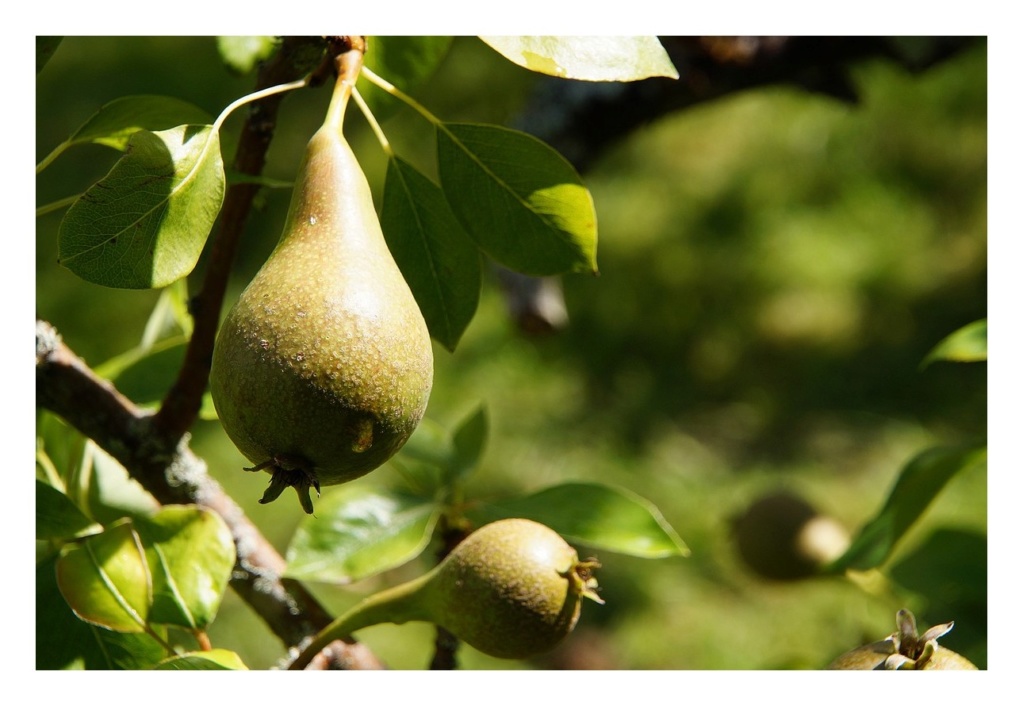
{"x":323,"y":368}
{"x":905,"y":649}
{"x":782,"y":537}
{"x":511,"y":589}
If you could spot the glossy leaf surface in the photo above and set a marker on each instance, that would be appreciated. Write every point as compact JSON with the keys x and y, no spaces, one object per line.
{"x":518,"y":198}
{"x":358,"y":532}
{"x":599,"y":516}
{"x":588,"y":58}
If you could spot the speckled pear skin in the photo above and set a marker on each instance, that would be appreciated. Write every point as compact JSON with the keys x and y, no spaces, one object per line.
{"x":325,"y":363}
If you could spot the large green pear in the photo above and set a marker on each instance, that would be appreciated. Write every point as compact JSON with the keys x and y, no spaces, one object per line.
{"x":323,"y":368}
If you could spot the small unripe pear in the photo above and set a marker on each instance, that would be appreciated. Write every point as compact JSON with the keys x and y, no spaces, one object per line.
{"x":323,"y":368}
{"x":905,"y":649}
{"x":512,"y":589}
{"x":781,"y":536}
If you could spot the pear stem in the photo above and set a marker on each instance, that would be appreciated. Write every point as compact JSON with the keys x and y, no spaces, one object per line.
{"x":398,"y":604}
{"x":389,"y":87}
{"x":349,"y":64}
{"x":373,"y":123}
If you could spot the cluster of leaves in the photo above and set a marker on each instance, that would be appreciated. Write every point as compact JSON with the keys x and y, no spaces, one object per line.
{"x":924,"y":476}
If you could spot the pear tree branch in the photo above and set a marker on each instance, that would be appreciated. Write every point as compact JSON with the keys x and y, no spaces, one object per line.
{"x":66,"y":386}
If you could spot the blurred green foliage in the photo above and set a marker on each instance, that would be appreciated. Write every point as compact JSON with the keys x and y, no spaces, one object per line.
{"x":774,"y":267}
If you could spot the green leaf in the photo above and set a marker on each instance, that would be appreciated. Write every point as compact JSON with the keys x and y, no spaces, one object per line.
{"x":115,"y":123}
{"x":145,"y":223}
{"x":209,"y":660}
{"x":145,"y":375}
{"x":521,"y":201}
{"x":63,"y":641}
{"x":588,"y":58}
{"x":438,"y":260}
{"x":59,"y":518}
{"x":430,"y":443}
{"x":170,"y":315}
{"x":107,"y":491}
{"x":469,"y":440}
{"x":45,"y":47}
{"x":359,"y":532}
{"x":917,"y":485}
{"x":405,"y":62}
{"x":191,"y":554}
{"x":105,"y":579}
{"x":599,"y":516}
{"x":966,"y":345}
{"x":242,"y":54}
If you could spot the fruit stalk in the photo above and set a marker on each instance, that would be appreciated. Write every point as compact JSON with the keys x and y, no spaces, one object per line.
{"x":349,"y":65}
{"x":398,"y":604}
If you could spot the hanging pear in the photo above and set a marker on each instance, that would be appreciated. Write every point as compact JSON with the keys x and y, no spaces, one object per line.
{"x":323,"y":368}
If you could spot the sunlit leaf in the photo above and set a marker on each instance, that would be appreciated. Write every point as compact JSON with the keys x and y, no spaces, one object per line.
{"x":918,"y":484}
{"x":521,"y":201}
{"x":115,"y":123}
{"x":438,"y":260}
{"x":209,"y":660}
{"x":57,"y":517}
{"x":588,"y":58}
{"x":596,"y":515}
{"x":243,"y":54}
{"x":63,"y":641}
{"x":190,"y":553}
{"x":966,"y":345}
{"x":146,"y":222}
{"x":358,"y":532}
{"x":105,"y":579}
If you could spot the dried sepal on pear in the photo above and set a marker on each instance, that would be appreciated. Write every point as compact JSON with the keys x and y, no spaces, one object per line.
{"x":905,"y":649}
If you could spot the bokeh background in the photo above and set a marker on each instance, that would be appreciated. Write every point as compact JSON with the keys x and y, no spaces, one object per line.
{"x":774,"y":266}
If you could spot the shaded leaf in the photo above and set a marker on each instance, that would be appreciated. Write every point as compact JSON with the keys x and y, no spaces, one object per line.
{"x":430,"y":442}
{"x":209,"y":660}
{"x":115,"y":123}
{"x":242,"y":54}
{"x":57,"y":517}
{"x":359,"y":532}
{"x":469,"y":440}
{"x":588,"y":58}
{"x":521,"y":201}
{"x":437,"y":259}
{"x":966,"y":345}
{"x":106,"y":489}
{"x":404,"y":61}
{"x":105,"y":579}
{"x":63,"y":641}
{"x":146,"y":222}
{"x":144,"y":375}
{"x":918,"y":484}
{"x":45,"y":48}
{"x":190,"y":553}
{"x":170,"y":315}
{"x":599,"y":516}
